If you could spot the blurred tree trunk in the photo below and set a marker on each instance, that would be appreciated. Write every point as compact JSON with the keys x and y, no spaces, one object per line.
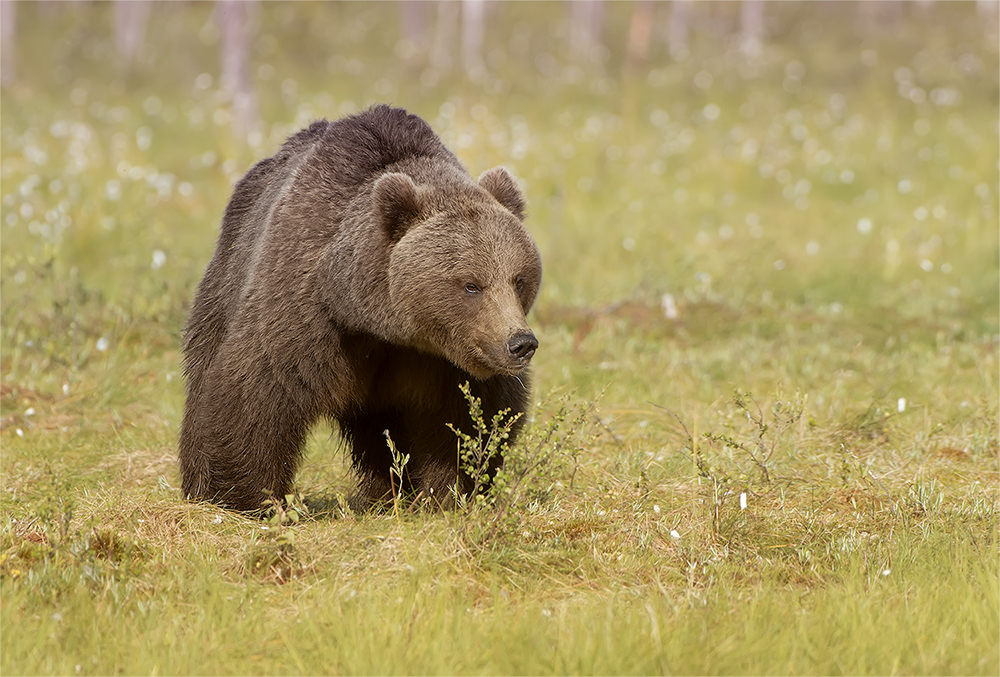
{"x":414,"y":43}
{"x":639,"y":34}
{"x":8,"y":55}
{"x":879,"y":17}
{"x":473,"y":19}
{"x":232,"y":16}
{"x":444,"y":35}
{"x":414,"y":20}
{"x":586,"y":23}
{"x":752,"y":28}
{"x":131,"y":17}
{"x":49,"y":7}
{"x":413,"y":48}
{"x":679,"y":29}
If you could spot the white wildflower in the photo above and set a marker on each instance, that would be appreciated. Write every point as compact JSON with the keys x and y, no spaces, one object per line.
{"x":159,"y":258}
{"x":669,"y":306}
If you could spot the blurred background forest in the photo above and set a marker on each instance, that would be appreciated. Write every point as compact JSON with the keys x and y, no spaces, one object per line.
{"x":688,"y":164}
{"x":674,"y":130}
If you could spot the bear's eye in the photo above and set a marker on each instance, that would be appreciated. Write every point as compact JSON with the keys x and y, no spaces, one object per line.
{"x":472,"y":288}
{"x":518,"y":283}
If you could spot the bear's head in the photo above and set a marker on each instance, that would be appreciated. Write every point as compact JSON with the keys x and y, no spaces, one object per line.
{"x":463,"y":270}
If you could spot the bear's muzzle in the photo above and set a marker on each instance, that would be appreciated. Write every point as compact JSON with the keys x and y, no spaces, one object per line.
{"x":522,"y":347}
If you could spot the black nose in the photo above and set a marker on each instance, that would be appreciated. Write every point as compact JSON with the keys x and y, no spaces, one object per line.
{"x":522,"y":346}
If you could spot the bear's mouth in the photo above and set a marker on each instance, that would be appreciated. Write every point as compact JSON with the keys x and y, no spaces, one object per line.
{"x":499,"y":361}
{"x":482,"y":365}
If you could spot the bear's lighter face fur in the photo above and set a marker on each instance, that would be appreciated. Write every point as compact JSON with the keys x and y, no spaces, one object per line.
{"x":465,"y":276}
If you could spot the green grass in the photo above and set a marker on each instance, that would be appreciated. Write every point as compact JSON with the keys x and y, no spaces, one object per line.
{"x":827,"y":236}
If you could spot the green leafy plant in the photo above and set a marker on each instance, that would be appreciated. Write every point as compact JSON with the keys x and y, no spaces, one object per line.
{"x":726,"y":477}
{"x":277,"y":557}
{"x":480,"y":454}
{"x":507,"y":477}
{"x":768,"y":429}
{"x":396,"y":471}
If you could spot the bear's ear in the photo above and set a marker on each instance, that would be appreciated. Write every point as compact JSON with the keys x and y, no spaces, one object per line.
{"x":501,"y":185}
{"x":397,"y":202}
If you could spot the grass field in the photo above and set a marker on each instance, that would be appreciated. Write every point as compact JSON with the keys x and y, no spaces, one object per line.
{"x":768,"y":371}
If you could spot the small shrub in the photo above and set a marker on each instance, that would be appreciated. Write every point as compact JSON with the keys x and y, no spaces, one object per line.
{"x":277,"y":557}
{"x":726,"y":477}
{"x":507,"y":477}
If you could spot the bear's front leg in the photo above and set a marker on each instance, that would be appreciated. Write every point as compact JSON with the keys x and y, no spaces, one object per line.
{"x":241,"y":439}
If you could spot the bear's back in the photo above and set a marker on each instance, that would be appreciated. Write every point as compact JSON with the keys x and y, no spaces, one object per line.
{"x":356,"y":149}
{"x":318,"y":171}
{"x":321,"y":170}
{"x":339,"y":157}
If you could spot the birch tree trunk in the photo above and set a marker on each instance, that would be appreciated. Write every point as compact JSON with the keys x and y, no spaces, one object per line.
{"x":414,"y":16}
{"x":131,"y":17}
{"x":586,"y":19}
{"x":8,"y":55}
{"x":639,"y":33}
{"x":232,"y":16}
{"x":752,"y":28}
{"x":445,"y":32}
{"x":473,"y":16}
{"x":679,"y":29}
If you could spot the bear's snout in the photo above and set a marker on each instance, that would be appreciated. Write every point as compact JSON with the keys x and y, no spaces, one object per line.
{"x":522,"y":347}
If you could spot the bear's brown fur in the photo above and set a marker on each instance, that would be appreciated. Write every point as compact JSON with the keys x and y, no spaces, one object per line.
{"x":362,"y":275}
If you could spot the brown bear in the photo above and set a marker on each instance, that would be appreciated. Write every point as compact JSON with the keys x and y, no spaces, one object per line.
{"x":361,"y":275}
